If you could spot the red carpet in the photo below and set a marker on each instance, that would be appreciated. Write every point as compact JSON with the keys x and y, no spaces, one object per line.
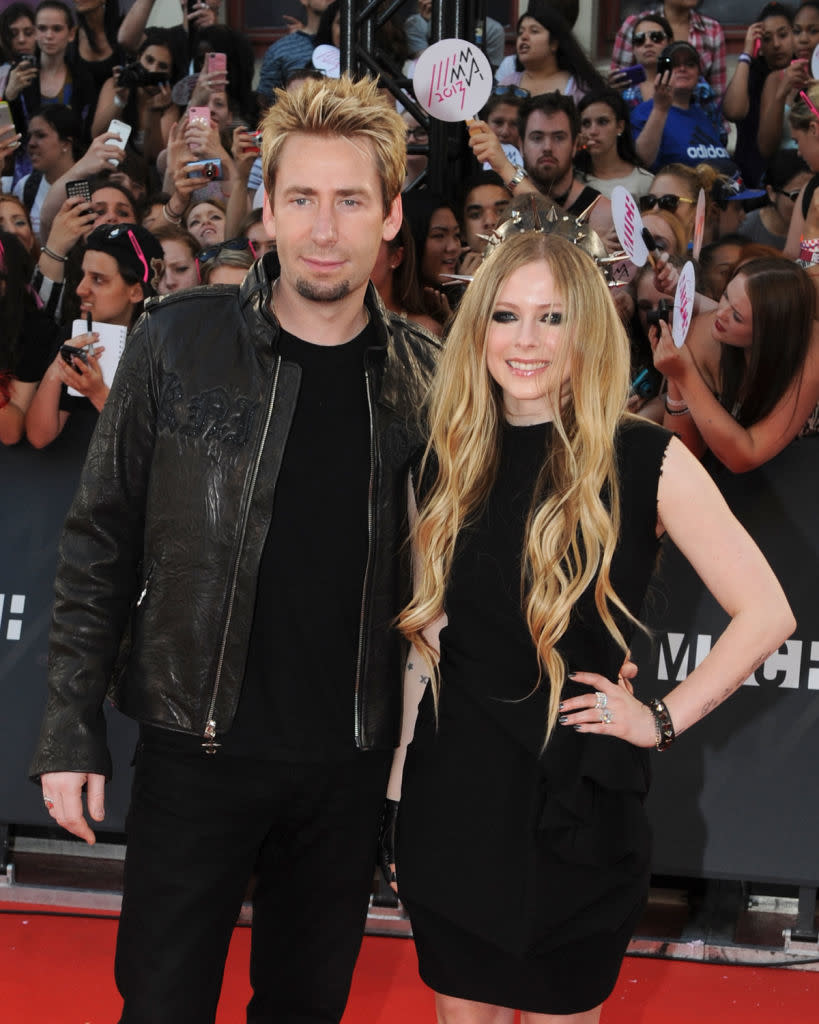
{"x":57,"y":970}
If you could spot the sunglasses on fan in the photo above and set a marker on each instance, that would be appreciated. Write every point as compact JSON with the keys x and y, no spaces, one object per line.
{"x":667,"y":202}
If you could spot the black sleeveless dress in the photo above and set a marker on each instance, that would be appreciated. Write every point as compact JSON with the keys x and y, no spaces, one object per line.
{"x":525,"y":870}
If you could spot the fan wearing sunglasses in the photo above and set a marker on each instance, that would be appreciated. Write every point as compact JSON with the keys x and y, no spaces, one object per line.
{"x":784,"y":179}
{"x":226,"y":263}
{"x":674,"y":190}
{"x":120,"y":269}
{"x":650,"y":37}
{"x":670,"y":128}
{"x":687,"y":24}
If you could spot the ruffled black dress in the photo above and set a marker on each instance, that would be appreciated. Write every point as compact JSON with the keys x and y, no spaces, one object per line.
{"x":525,"y":870}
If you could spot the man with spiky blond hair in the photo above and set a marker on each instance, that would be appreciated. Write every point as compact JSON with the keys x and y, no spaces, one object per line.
{"x":229,"y":574}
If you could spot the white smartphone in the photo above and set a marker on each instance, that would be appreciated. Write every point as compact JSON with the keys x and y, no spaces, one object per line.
{"x":5,"y":114}
{"x":121,"y":129}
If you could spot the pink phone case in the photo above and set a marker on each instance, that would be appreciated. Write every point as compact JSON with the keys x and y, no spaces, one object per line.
{"x":199,"y":114}
{"x":215,"y":62}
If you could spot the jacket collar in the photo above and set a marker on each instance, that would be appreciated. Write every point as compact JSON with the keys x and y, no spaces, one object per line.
{"x":255,"y":295}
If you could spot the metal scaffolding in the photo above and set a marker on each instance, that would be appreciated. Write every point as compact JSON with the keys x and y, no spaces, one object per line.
{"x":361,"y":54}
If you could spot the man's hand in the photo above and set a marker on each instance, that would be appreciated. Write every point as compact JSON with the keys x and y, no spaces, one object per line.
{"x":62,"y":793}
{"x":487,"y":148}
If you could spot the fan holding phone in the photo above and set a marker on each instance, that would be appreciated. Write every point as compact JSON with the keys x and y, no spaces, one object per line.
{"x":121,"y":268}
{"x":672,"y":127}
{"x":650,"y":37}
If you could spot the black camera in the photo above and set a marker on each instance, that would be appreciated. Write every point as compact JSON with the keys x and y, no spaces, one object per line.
{"x":27,"y":58}
{"x":134,"y":76}
{"x":662,"y":312}
{"x":646,"y":383}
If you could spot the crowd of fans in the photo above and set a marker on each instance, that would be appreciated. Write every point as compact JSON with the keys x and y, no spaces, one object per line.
{"x":130,"y":167}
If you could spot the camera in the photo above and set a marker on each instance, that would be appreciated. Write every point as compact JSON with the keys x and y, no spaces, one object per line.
{"x":646,"y":383}
{"x":133,"y":76}
{"x":205,"y":169}
{"x":662,"y":312}
{"x":664,"y":64}
{"x":27,"y":58}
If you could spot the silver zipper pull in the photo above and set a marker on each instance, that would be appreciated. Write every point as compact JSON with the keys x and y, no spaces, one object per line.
{"x":210,"y":746}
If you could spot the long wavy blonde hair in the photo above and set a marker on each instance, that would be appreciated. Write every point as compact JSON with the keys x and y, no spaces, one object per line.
{"x":574,"y":519}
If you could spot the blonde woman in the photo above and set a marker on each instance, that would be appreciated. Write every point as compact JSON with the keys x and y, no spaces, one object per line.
{"x":523,"y":849}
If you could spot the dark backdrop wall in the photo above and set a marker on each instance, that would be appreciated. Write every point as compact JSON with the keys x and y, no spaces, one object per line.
{"x":734,"y":798}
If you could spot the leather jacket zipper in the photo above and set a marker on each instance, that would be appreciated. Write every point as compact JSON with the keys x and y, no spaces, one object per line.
{"x":370,"y":525}
{"x":144,"y":592}
{"x":210,"y":746}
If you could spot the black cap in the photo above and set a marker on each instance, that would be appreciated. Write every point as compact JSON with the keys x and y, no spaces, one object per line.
{"x":133,"y":247}
{"x":679,"y":47}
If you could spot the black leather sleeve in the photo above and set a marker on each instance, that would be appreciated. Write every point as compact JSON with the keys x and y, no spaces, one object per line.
{"x":99,"y":555}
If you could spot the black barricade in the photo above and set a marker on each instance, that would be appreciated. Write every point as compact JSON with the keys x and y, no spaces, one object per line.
{"x":37,"y":488}
{"x":733,"y":798}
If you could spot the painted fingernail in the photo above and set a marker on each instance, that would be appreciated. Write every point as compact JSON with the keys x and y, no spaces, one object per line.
{"x":578,"y":728}
{"x":561,"y":706}
{"x":563,"y":719}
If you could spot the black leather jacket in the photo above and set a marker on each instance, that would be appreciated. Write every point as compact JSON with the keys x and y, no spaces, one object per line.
{"x":158,"y":561}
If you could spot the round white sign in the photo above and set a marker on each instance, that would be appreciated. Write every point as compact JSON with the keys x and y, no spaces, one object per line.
{"x":683,"y":304}
{"x":452,"y":80}
{"x":327,"y":58}
{"x":629,"y":225}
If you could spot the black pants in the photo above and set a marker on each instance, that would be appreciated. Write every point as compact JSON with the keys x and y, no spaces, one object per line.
{"x":198,"y":826}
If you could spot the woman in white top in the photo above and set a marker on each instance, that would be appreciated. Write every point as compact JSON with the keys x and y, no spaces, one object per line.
{"x":51,"y":134}
{"x":548,"y":57}
{"x":606,"y":156}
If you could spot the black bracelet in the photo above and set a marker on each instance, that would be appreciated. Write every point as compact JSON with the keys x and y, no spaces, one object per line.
{"x":663,"y":724}
{"x":54,"y":255}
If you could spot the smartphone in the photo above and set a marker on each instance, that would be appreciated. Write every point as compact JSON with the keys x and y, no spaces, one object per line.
{"x":205,"y":169}
{"x":81,"y":187}
{"x":215,"y":62}
{"x":635,"y":73}
{"x":664,"y":64}
{"x":70,"y":352}
{"x":757,"y":48}
{"x":6,"y":119}
{"x":123,"y":131}
{"x":197,"y":114}
{"x":28,"y":58}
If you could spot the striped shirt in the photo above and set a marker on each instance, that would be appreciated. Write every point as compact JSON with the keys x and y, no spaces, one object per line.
{"x":705,"y":35}
{"x":288,"y":54}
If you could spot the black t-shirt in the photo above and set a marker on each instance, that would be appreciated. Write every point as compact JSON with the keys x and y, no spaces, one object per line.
{"x":297,"y":699}
{"x":807,"y":195}
{"x":39,"y":337}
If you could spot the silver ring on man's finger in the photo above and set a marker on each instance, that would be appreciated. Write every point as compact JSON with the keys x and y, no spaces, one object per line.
{"x":48,"y":803}
{"x":606,"y":717}
{"x":601,"y":700}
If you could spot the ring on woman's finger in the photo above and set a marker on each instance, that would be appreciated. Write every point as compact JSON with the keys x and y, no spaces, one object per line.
{"x":601,"y":700}
{"x":606,"y":717}
{"x":49,"y":804}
